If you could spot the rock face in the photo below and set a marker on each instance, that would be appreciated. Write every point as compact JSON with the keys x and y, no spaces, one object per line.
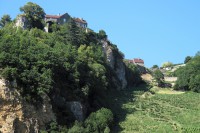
{"x":108,"y":53}
{"x":21,"y":21}
{"x":17,"y":116}
{"x":121,"y":73}
{"x":117,"y":65}
{"x":77,"y":109}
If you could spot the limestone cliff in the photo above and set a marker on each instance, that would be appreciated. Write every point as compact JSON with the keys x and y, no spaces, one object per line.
{"x":116,"y":64}
{"x":17,"y":116}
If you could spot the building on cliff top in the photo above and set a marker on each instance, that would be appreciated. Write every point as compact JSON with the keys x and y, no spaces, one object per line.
{"x":58,"y":19}
{"x":137,"y":61}
{"x":22,"y":22}
{"x":80,"y":22}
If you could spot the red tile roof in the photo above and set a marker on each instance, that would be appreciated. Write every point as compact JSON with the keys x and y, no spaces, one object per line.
{"x":80,"y":20}
{"x":137,"y":60}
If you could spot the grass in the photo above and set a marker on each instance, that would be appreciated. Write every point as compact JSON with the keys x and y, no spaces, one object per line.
{"x":160,"y":113}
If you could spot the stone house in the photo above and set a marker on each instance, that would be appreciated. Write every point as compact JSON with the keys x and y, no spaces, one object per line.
{"x":80,"y":22}
{"x":21,"y":21}
{"x":59,"y":19}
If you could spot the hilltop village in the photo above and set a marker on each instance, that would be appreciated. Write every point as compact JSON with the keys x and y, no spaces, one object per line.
{"x":22,"y":21}
{"x":59,"y":76}
{"x":59,"y":19}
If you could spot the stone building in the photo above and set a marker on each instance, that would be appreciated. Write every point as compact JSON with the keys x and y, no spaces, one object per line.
{"x":80,"y":22}
{"x":22,"y":21}
{"x":59,"y":19}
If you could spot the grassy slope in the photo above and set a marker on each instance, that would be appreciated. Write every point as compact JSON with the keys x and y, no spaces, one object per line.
{"x":161,"y":113}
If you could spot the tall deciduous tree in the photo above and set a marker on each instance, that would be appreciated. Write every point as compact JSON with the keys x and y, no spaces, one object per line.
{"x":187,"y":59}
{"x":167,"y":64}
{"x":4,"y":20}
{"x":159,"y":77}
{"x":35,"y":15}
{"x":73,"y":34}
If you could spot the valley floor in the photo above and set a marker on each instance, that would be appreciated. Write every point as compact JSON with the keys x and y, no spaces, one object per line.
{"x":141,"y":112}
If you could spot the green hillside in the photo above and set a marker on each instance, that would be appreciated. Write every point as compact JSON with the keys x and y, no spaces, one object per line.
{"x":138,"y":111}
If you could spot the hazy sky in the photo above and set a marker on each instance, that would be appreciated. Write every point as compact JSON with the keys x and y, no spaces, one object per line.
{"x":154,"y":30}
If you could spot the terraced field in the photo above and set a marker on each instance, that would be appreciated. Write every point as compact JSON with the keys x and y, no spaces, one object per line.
{"x":159,"y":113}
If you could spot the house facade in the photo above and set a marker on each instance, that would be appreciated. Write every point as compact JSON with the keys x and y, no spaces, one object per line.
{"x":59,"y":19}
{"x":137,"y":61}
{"x":50,"y":19}
{"x":80,"y":22}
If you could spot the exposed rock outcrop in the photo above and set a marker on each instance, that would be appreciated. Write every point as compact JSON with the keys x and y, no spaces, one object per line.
{"x":77,"y":109}
{"x":21,"y":21}
{"x":17,"y":116}
{"x":116,"y":64}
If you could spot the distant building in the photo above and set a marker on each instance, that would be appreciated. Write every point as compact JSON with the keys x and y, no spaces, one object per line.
{"x":80,"y":22}
{"x":137,"y":61}
{"x":58,"y":19}
{"x":22,"y":21}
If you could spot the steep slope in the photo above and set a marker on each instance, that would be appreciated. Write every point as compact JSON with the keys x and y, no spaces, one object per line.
{"x":17,"y":116}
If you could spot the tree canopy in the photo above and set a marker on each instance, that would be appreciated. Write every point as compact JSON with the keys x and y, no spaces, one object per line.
{"x":5,"y":19}
{"x":35,"y":15}
{"x":187,"y":59}
{"x":167,"y":64}
{"x":159,"y":77}
{"x":189,"y":76}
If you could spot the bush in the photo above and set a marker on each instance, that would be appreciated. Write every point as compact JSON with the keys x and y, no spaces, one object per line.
{"x":189,"y":76}
{"x":159,"y":77}
{"x":99,"y":121}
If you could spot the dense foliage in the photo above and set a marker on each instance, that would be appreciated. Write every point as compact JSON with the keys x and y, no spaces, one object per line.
{"x":5,"y":20}
{"x":133,"y":74}
{"x":35,"y":59}
{"x":35,"y":15}
{"x":159,"y":77}
{"x":187,"y":59}
{"x":167,"y":64}
{"x":67,"y":64}
{"x":97,"y":122}
{"x":189,"y":76}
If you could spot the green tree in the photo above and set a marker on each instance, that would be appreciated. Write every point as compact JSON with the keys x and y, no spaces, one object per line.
{"x":99,"y":121}
{"x":155,"y":66}
{"x":167,"y":64}
{"x":133,"y":74}
{"x":102,"y":34}
{"x":189,"y":76}
{"x":5,"y":19}
{"x":35,"y":15}
{"x":159,"y":77}
{"x":187,"y":59}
